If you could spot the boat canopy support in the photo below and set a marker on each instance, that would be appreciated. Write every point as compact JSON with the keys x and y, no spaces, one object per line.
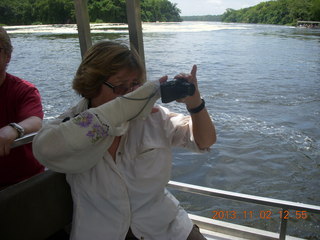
{"x":134,"y":24}
{"x":83,"y":24}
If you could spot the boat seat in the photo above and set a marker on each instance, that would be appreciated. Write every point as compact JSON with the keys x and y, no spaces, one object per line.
{"x":37,"y":208}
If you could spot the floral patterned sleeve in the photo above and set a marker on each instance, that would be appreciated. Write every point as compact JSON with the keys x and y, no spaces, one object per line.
{"x":72,"y":146}
{"x":76,"y":144}
{"x":95,"y":131}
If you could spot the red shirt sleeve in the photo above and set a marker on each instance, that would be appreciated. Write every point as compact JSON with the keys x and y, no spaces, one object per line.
{"x":29,"y":103}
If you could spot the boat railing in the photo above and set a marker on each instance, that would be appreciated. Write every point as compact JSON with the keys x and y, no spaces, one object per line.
{"x":24,"y":140}
{"x":211,"y":192}
{"x":282,"y":204}
{"x":308,"y":24}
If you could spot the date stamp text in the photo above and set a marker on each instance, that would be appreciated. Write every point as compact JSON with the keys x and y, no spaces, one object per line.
{"x":262,"y":214}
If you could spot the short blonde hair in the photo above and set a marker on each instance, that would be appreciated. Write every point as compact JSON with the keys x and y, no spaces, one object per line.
{"x":101,"y":61}
{"x":5,"y":42}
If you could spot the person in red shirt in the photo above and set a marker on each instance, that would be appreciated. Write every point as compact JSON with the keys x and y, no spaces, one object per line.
{"x":20,"y":113}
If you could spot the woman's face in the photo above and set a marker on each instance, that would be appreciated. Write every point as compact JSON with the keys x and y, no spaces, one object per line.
{"x":119,"y":84}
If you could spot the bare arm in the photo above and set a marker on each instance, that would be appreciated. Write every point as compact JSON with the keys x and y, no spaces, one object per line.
{"x":203,"y":128}
{"x":8,"y":134}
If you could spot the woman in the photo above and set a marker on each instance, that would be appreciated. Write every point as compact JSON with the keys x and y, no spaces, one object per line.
{"x":116,"y":150}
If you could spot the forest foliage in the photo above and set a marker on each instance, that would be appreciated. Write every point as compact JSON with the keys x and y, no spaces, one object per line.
{"x":17,"y":12}
{"x":284,"y":12}
{"x":207,"y":18}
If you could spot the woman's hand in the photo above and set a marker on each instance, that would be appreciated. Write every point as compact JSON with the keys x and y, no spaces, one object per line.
{"x":161,"y":80}
{"x":194,"y":100}
{"x":202,"y":126}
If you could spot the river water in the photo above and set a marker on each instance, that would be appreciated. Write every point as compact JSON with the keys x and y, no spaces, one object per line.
{"x":261,"y":84}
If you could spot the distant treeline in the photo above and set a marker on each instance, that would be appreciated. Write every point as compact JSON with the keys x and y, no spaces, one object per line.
{"x":284,"y":12}
{"x":213,"y":18}
{"x":16,"y":12}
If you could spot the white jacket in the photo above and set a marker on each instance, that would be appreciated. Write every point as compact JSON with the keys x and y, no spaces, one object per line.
{"x":110,"y":195}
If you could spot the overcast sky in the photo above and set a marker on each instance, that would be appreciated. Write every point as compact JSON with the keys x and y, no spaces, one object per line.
{"x":211,"y":7}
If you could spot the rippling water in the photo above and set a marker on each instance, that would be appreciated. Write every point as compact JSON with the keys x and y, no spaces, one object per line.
{"x":261,"y":84}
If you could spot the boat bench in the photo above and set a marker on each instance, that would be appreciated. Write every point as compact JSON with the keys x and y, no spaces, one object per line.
{"x":37,"y":208}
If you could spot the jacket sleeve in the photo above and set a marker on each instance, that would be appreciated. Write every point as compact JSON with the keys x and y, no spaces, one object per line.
{"x":78,"y":144}
{"x":178,"y":129}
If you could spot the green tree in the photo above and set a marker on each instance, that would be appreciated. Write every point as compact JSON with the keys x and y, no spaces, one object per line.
{"x":54,"y":11}
{"x":299,"y":9}
{"x":14,"y":12}
{"x":276,"y":12}
{"x":159,"y":10}
{"x":107,"y":10}
{"x":315,"y":10}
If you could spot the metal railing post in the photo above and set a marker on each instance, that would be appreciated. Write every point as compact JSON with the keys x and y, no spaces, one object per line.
{"x":283,"y":225}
